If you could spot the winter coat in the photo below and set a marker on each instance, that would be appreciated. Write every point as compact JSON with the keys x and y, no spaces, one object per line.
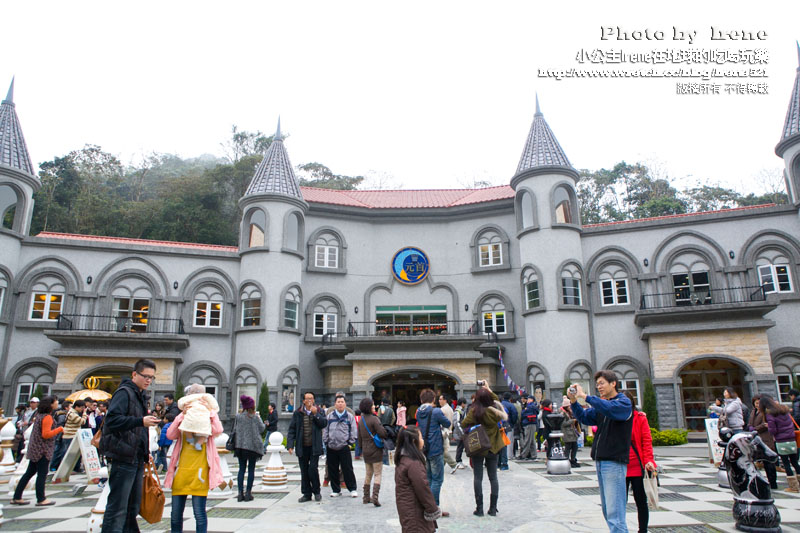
{"x":416,"y":506}
{"x":731,"y":412}
{"x":569,"y":429}
{"x":294,"y":438}
{"x":758,"y":423}
{"x":512,"y":413}
{"x":272,"y":421}
{"x":341,"y":431}
{"x":434,"y":433}
{"x":643,"y":440}
{"x":370,"y":452}
{"x":796,"y":408}
{"x":491,"y":419}
{"x":530,"y":415}
{"x":125,"y":439}
{"x":73,"y":423}
{"x":614,"y":420}
{"x":212,"y":456}
{"x":781,"y":427}
{"x":248,"y":429}
{"x":447,"y":411}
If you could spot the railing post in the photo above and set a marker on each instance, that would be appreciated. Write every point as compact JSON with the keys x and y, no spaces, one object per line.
{"x":181,"y":331}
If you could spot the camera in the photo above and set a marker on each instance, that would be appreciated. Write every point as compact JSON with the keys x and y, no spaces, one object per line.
{"x":481,"y":382}
{"x":573,"y":390}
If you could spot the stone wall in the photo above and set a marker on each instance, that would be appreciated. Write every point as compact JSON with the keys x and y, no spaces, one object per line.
{"x":363,"y":371}
{"x":338,"y":377}
{"x":71,"y":368}
{"x":668,"y":406}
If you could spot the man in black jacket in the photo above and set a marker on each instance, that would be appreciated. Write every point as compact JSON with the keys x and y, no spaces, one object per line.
{"x":170,"y":407}
{"x":125,"y":444}
{"x":305,"y":431}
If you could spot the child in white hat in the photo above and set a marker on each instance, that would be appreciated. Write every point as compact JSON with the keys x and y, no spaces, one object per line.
{"x":196,"y":425}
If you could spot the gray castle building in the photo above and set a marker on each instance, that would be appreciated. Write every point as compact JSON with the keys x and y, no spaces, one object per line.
{"x":366,"y":291}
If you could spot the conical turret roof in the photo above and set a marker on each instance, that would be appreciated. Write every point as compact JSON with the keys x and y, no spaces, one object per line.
{"x":542,"y":148}
{"x":13,"y":150}
{"x":791,"y":126}
{"x":274,"y":174}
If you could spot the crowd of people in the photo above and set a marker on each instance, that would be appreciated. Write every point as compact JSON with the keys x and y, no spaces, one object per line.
{"x":513,"y":425}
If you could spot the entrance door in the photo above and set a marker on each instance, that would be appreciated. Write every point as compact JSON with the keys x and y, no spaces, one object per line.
{"x":407,"y":386}
{"x":702,"y":382}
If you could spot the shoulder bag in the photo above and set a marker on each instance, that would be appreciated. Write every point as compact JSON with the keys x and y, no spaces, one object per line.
{"x":230,"y":444}
{"x":152,"y":506}
{"x":476,"y":441}
{"x":375,"y":438}
{"x":97,"y":436}
{"x":796,"y":431}
{"x":650,"y":480}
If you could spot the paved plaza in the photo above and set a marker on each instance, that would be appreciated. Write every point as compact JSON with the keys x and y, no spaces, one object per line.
{"x":530,"y":500}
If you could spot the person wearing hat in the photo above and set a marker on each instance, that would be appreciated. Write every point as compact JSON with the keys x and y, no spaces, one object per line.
{"x":248,"y":447}
{"x":25,"y":421}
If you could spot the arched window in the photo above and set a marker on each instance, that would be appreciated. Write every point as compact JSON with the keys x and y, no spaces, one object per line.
{"x":10,"y":208}
{"x":493,"y":315}
{"x":291,"y":307}
{"x":531,"y":289}
{"x":525,"y":208}
{"x":563,"y":206}
{"x":326,"y":317}
{"x":289,"y":391}
{"x":787,"y":373}
{"x":208,"y":304}
{"x":131,"y":304}
{"x":581,"y":374}
{"x":251,"y":305}
{"x":3,"y":291}
{"x":613,"y":281}
{"x":537,"y":381}
{"x":246,"y":383}
{"x":571,"y":279}
{"x":294,"y":235}
{"x":629,"y":380}
{"x":208,"y":377}
{"x":258,"y":226}
{"x":691,"y":279}
{"x":774,"y":271}
{"x":326,"y":251}
{"x":47,"y":298}
{"x":33,"y":380}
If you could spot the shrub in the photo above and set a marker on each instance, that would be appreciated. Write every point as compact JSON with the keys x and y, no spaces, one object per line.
{"x":649,"y":404}
{"x":566,"y":386}
{"x":178,"y":390}
{"x":669,"y":437}
{"x":263,"y":404}
{"x":587,"y":441}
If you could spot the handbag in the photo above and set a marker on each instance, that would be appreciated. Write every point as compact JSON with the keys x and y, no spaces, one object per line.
{"x":152,"y":506}
{"x":476,"y":441}
{"x":97,"y":436}
{"x":786,"y":448}
{"x":649,"y":479}
{"x":375,"y":438}
{"x":230,"y":444}
{"x":796,"y":431}
{"x":506,"y":440}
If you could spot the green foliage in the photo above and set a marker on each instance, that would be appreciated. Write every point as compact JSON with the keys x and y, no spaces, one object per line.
{"x":38,"y":392}
{"x":263,"y":403}
{"x":321,"y":176}
{"x":588,"y":440}
{"x":178,"y":390}
{"x":566,"y":386}
{"x":795,"y":383}
{"x":669,"y":437}
{"x":649,"y":403}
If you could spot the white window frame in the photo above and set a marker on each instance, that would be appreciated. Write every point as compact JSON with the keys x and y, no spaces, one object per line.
{"x":48,"y":307}
{"x":326,"y":256}
{"x":290,"y":323}
{"x":576,"y":288}
{"x":206,"y":320}
{"x":783,"y":395}
{"x":618,"y":289}
{"x":692,"y":287}
{"x":137,"y":323}
{"x":625,"y":385}
{"x":528,"y":294}
{"x":327,"y":321}
{"x":248,"y":305}
{"x":45,"y":391}
{"x":496,"y":320}
{"x":774,"y":278}
{"x":490,"y":254}
{"x":2,"y":299}
{"x":211,"y":389}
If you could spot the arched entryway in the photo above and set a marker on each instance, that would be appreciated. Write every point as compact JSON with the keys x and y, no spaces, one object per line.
{"x":406,"y":385}
{"x":702,"y":381}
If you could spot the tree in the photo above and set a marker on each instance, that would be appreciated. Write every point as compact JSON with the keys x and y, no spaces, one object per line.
{"x":263,"y":403}
{"x":321,"y":176}
{"x":245,"y":143}
{"x":650,"y":404}
{"x":178,"y":390}
{"x":38,"y":392}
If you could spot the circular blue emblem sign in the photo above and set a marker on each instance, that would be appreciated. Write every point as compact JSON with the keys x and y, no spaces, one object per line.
{"x":410,"y":265}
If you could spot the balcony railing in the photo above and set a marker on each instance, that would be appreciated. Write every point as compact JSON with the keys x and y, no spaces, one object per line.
{"x":406,"y":329}
{"x":688,"y":297}
{"x":120,"y":324}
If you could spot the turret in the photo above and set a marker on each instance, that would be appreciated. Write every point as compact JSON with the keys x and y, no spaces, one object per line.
{"x":789,"y":146}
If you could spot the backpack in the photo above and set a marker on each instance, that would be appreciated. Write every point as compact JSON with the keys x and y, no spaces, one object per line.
{"x":458,"y":431}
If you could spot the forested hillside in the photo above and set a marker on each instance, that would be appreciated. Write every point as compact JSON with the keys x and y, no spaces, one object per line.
{"x":165,"y":197}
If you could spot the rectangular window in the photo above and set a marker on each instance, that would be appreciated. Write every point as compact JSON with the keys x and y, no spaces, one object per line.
{"x":290,"y":314}
{"x":410,"y":319}
{"x":632,"y":386}
{"x":212,"y":390}
{"x":491,"y":254}
{"x":207,"y":314}
{"x":46,"y":305}
{"x":692,"y":288}
{"x":571,"y":291}
{"x":251,"y":312}
{"x":775,"y":278}
{"x":130,"y":314}
{"x":25,"y":391}
{"x":324,"y":323}
{"x":784,"y":385}
{"x":532,"y":294}
{"x":326,"y":256}
{"x":614,"y":292}
{"x":495,"y":321}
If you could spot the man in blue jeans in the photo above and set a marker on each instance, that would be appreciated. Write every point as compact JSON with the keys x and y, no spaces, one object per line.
{"x":430,"y":421}
{"x":125,"y":443}
{"x":612,"y":412}
{"x":508,"y":425}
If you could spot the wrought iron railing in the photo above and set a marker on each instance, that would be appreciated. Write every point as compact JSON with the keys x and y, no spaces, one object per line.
{"x":120,"y":324}
{"x":688,"y":297}
{"x":407,"y":329}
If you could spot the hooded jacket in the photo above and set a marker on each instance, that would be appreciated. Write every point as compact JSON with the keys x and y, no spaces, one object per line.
{"x":125,"y":438}
{"x":643,"y":440}
{"x":415,"y":502}
{"x":341,"y":431}
{"x":614,"y":420}
{"x":434,"y":432}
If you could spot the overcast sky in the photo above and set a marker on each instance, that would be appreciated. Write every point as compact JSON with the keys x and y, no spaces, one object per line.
{"x":428,"y":94}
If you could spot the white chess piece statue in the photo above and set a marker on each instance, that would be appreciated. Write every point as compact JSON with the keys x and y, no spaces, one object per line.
{"x":21,"y":468}
{"x":274,"y":478}
{"x":225,"y":490}
{"x":98,"y":511}
{"x":7,"y":463}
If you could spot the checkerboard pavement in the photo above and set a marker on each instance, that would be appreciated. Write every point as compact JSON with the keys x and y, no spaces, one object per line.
{"x":689,"y":498}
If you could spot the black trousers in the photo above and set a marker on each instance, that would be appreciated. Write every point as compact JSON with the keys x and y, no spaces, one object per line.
{"x":340,"y":458}
{"x":309,"y":471}
{"x":460,"y":450}
{"x":40,"y":469}
{"x":247,"y":461}
{"x":640,"y":497}
{"x":571,"y":451}
{"x":478,"y":461}
{"x":788,"y":461}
